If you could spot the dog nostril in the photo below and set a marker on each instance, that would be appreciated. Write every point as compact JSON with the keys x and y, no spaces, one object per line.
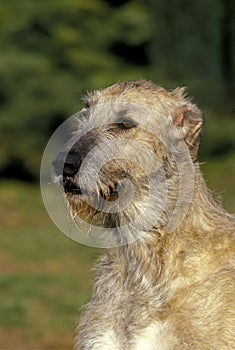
{"x":66,"y":164}
{"x":69,"y":170}
{"x":71,"y":164}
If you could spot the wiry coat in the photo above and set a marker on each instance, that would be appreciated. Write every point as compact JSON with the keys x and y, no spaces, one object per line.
{"x":166,"y":290}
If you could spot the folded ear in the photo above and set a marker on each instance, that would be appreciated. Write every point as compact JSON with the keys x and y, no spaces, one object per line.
{"x":190,"y":119}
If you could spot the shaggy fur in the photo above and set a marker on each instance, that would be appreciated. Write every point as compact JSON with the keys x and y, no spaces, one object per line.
{"x":169,"y":289}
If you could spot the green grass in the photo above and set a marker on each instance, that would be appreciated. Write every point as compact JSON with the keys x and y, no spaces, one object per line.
{"x":45,"y":277}
{"x":220,"y":176}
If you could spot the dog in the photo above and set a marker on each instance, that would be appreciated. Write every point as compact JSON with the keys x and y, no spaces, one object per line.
{"x":167,"y":279}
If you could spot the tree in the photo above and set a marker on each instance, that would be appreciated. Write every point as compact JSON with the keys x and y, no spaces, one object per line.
{"x":186,"y":45}
{"x":51,"y":53}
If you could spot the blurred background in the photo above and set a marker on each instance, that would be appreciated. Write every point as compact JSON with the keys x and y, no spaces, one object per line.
{"x":52,"y":52}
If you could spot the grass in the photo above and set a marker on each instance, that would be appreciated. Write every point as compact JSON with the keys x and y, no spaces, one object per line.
{"x":220,"y":175}
{"x":45,"y":277}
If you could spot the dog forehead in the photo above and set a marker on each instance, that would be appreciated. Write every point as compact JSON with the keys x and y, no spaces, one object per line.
{"x":139,"y":93}
{"x":142,"y":91}
{"x":116,"y":111}
{"x":134,"y":91}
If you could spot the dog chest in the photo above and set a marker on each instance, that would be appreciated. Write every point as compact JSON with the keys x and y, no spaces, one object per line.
{"x":154,"y":336}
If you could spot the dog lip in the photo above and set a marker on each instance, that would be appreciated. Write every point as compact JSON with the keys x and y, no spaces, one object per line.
{"x":111,"y":195}
{"x":73,"y":190}
{"x":113,"y":192}
{"x":69,"y":187}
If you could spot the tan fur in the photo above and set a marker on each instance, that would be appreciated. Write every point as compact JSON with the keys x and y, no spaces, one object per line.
{"x":166,"y":290}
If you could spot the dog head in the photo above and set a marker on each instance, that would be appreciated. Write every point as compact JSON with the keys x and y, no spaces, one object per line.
{"x":126,"y":165}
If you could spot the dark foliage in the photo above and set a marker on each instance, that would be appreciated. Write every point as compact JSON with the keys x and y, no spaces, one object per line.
{"x":53,"y":51}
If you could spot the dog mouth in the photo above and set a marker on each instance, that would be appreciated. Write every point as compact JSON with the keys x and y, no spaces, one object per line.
{"x":110,"y":193}
{"x":71,"y":188}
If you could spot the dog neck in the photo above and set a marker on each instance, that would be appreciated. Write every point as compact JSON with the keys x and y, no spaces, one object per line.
{"x":138,"y":264}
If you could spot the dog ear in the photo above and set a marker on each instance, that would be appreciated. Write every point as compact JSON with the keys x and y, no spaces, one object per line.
{"x":191,"y":121}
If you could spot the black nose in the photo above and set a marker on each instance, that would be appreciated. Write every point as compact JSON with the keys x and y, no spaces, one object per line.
{"x":66,"y":164}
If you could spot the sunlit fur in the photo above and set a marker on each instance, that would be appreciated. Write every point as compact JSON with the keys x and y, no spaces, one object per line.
{"x":166,"y":290}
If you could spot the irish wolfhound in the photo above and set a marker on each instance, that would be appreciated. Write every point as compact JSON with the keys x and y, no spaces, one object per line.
{"x":131,"y":174}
